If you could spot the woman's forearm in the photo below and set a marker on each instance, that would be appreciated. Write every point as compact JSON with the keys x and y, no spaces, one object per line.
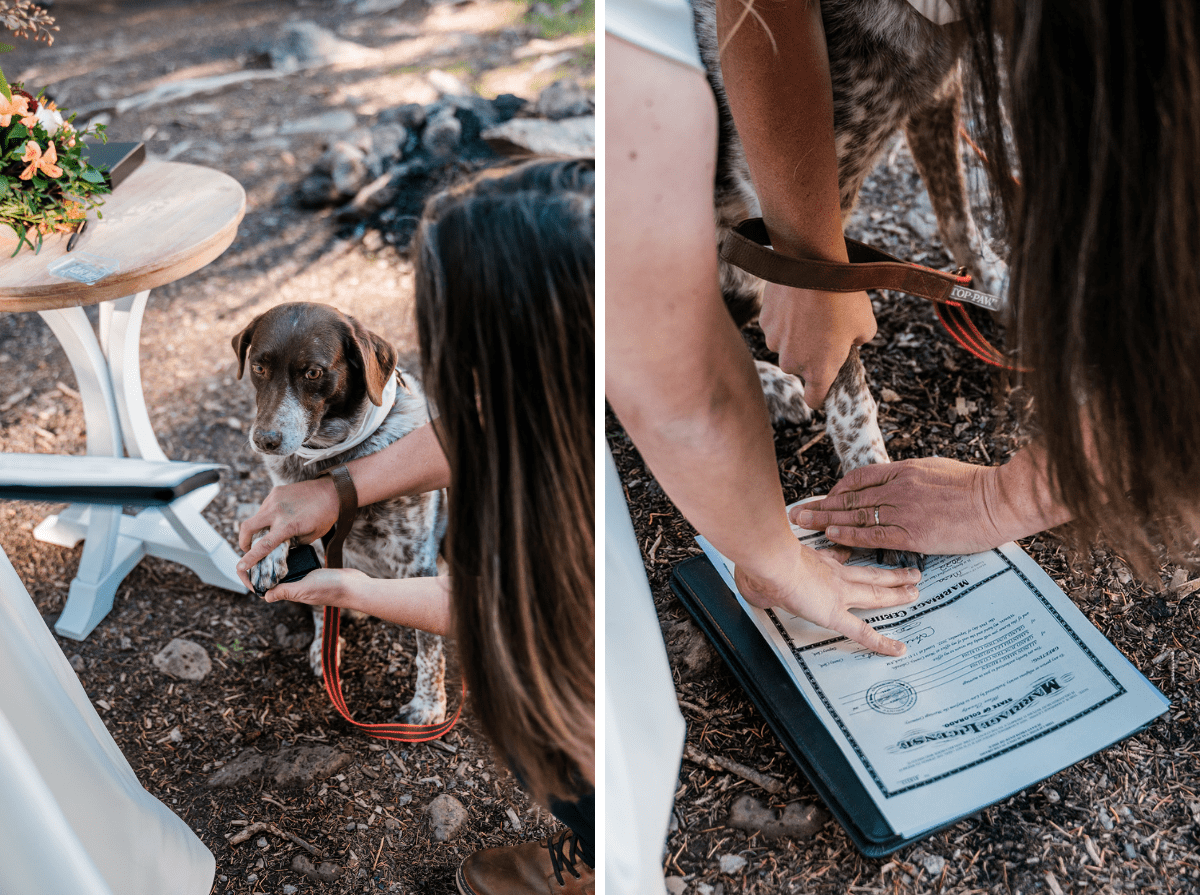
{"x":421,"y":603}
{"x":413,"y":465}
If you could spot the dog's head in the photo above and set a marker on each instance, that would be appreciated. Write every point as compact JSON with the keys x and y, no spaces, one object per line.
{"x":313,"y":368}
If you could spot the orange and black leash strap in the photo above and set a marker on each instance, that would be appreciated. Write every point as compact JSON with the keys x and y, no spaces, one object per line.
{"x":403,"y":733}
{"x":746,"y":246}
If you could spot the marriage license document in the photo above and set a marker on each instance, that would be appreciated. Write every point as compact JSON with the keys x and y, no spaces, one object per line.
{"x":1004,"y":683}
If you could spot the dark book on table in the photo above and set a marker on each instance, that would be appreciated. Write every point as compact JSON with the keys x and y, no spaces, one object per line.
{"x":115,"y":160}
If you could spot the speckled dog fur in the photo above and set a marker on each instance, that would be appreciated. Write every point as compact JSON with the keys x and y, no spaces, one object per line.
{"x":891,"y":68}
{"x":395,"y":538}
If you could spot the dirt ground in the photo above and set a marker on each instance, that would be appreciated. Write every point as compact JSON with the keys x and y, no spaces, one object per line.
{"x":1124,"y":820}
{"x":368,"y":821}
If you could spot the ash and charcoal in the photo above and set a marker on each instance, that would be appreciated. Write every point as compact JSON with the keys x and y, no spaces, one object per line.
{"x":380,"y":177}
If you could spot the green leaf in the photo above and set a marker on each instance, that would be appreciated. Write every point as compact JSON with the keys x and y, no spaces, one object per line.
{"x":91,"y":175}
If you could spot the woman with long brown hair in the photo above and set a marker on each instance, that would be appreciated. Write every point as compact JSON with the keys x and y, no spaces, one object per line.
{"x":505,"y":318}
{"x":1095,"y":107}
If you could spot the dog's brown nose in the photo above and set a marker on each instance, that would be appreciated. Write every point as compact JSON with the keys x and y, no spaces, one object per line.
{"x":268,"y":439}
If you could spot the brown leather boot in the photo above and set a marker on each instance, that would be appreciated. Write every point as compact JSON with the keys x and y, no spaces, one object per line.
{"x":553,"y":866}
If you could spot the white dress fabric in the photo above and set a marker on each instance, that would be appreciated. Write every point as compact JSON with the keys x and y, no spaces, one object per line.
{"x":74,"y":820}
{"x":643,"y":728}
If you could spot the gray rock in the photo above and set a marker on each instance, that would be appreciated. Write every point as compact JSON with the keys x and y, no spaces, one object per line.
{"x":933,"y":864}
{"x":369,"y":7}
{"x":335,"y":121}
{"x":317,"y":191}
{"x":564,"y":99}
{"x":307,"y":44}
{"x":290,"y":768}
{"x":289,"y":641}
{"x":688,"y":649}
{"x":387,"y":140}
{"x":325,"y":872}
{"x":246,"y":767}
{"x":289,"y":890}
{"x":799,"y":820}
{"x":78,"y":663}
{"x":348,"y":168}
{"x":447,"y":84}
{"x":571,"y":136}
{"x":442,"y":134}
{"x":922,"y":224}
{"x":410,"y":116}
{"x":732,"y":864}
{"x":183,"y":659}
{"x":301,"y":765}
{"x":675,"y":885}
{"x":446,"y":817}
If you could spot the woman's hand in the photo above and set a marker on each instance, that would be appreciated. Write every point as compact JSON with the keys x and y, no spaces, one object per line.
{"x":817,"y":586}
{"x":301,"y":512}
{"x":422,"y":603}
{"x":323,"y":587}
{"x":813,"y":333}
{"x":931,"y":505}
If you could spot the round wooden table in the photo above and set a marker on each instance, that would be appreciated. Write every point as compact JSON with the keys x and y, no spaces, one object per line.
{"x":164,"y":221}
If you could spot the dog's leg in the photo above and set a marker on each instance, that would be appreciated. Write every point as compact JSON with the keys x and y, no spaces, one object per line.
{"x":428,"y":705}
{"x":784,"y":393}
{"x":933,"y":138}
{"x":851,"y":419}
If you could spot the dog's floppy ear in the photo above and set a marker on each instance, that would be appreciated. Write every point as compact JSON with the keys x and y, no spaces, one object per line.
{"x":241,"y":344}
{"x":376,"y":355}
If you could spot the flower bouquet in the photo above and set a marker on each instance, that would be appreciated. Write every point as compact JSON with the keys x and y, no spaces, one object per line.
{"x":46,"y":184}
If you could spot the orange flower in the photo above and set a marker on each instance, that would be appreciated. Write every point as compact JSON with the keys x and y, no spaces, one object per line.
{"x":40,"y":162}
{"x":18,"y":105}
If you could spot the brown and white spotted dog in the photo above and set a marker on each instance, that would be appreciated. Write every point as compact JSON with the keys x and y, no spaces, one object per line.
{"x":891,"y":68}
{"x":321,"y":380}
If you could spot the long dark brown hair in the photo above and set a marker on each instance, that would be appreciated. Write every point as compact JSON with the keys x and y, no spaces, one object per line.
{"x":1103,"y":111}
{"x":505,"y":317}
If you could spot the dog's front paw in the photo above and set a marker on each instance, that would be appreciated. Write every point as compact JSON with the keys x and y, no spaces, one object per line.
{"x":270,"y":570}
{"x":422,"y":711}
{"x":905,"y":559}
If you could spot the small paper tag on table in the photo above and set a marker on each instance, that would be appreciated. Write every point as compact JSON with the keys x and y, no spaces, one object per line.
{"x":84,"y":267}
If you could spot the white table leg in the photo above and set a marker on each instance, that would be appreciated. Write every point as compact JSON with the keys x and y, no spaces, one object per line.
{"x":186,"y":538}
{"x":117,"y":422}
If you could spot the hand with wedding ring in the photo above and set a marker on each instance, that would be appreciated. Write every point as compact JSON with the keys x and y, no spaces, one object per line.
{"x":932,"y":505}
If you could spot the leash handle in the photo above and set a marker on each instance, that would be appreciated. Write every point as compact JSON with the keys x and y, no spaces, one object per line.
{"x":404,"y":733}
{"x":745,"y":246}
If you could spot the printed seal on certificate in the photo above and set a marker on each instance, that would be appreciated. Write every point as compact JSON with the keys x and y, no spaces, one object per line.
{"x":891,"y":697}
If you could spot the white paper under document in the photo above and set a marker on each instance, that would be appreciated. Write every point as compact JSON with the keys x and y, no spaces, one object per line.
{"x":1004,"y":683}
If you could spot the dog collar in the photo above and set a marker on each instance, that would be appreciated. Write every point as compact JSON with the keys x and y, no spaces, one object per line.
{"x":365,"y":430}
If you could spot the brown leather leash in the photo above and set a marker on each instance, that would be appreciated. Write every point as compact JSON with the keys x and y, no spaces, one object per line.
{"x":404,"y":733}
{"x":746,"y":246}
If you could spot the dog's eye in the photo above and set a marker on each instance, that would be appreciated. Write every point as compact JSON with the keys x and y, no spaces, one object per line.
{"x":313,"y":373}
{"x":258,"y":369}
